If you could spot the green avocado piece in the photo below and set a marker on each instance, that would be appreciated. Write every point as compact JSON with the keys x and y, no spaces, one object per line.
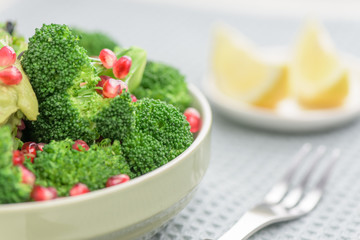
{"x":138,"y":56}
{"x":27,"y":101}
{"x":8,"y":103}
{"x":14,"y":121}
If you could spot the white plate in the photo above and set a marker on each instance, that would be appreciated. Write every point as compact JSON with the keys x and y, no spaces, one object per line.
{"x":289,"y":116}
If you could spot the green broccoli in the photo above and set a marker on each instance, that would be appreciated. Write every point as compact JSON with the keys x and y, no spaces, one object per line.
{"x":55,"y":62}
{"x":64,"y":79}
{"x":116,"y":118}
{"x":159,"y":134}
{"x":94,"y":42}
{"x":56,"y":65}
{"x":60,"y":118}
{"x":11,"y":188}
{"x":165,"y":83}
{"x":60,"y":166}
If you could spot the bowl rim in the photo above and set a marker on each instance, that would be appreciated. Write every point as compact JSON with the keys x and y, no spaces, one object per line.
{"x":205,"y":129}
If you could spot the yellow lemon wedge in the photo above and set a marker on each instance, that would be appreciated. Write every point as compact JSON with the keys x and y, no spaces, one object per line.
{"x":243,"y":74}
{"x":317,"y":74}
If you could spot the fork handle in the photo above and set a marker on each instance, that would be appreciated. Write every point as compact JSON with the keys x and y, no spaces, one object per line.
{"x":246,"y":226}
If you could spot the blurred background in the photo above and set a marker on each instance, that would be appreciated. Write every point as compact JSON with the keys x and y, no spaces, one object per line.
{"x":159,"y":26}
{"x":147,"y":23}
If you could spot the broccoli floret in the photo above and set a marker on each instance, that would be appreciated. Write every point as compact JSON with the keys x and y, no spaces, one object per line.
{"x":165,"y":83}
{"x":60,"y":166}
{"x":94,"y":42}
{"x":144,"y":153}
{"x":55,"y":62}
{"x":61,"y":118}
{"x":64,"y":80}
{"x":85,"y":117}
{"x":160,"y":133}
{"x":11,"y":188}
{"x":56,"y":65}
{"x":115,"y":119}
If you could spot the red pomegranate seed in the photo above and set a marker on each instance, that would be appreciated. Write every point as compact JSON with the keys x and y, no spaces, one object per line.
{"x":80,"y":145}
{"x":19,"y":134}
{"x":10,"y":75}
{"x":53,"y":192}
{"x":101,"y":83}
{"x":117,"y":179}
{"x":111,"y":88}
{"x":41,"y":146}
{"x":83,"y":84}
{"x":193,"y":117}
{"x":22,"y":125}
{"x":122,"y":67}
{"x":40,"y":193}
{"x":18,"y":157}
{"x":29,"y":149}
{"x":79,"y":189}
{"x":123,"y":87}
{"x":107,"y":57}
{"x":133,"y":98}
{"x":27,"y":176}
{"x":7,"y":56}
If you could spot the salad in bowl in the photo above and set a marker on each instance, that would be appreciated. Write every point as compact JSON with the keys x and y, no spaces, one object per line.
{"x":81,"y":132}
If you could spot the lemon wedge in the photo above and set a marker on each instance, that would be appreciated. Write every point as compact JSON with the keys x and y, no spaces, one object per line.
{"x":243,"y":74}
{"x":317,"y":74}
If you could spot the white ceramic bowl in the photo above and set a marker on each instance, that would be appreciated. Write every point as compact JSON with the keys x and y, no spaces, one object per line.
{"x":126,"y":211}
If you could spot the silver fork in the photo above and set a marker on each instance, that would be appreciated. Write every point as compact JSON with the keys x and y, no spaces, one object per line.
{"x":285,"y":202}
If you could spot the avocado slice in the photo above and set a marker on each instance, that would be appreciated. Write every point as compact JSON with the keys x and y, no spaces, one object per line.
{"x":8,"y":103}
{"x":27,"y":101}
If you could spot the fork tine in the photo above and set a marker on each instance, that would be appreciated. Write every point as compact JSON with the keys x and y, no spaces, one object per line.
{"x":279,"y":190}
{"x":300,"y":155}
{"x":320,"y":152}
{"x":335,"y":155}
{"x":294,"y":196}
{"x":312,"y":198}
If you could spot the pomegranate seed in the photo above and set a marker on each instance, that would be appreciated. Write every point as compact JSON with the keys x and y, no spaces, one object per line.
{"x":117,"y":179}
{"x":22,"y":125}
{"x":19,"y":134}
{"x":27,"y":176}
{"x":18,"y":157}
{"x":10,"y":75}
{"x":133,"y":98}
{"x":7,"y":56}
{"x":111,"y":88}
{"x":83,"y":84}
{"x":193,"y":117}
{"x":122,"y":67}
{"x":83,"y":145}
{"x":79,"y":189}
{"x":53,"y":191}
{"x":107,"y":57}
{"x":101,"y":83}
{"x":40,"y":193}
{"x":41,"y":146}
{"x":123,"y":86}
{"x":29,"y":149}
